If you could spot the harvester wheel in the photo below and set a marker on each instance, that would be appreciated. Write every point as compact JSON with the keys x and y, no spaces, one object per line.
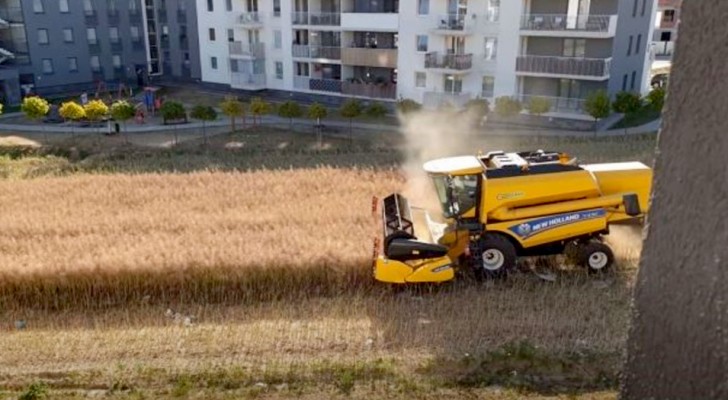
{"x":596,"y":256}
{"x":496,"y":256}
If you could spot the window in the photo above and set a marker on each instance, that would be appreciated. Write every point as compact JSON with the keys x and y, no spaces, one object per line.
{"x":493,"y":11}
{"x":38,"y":8}
{"x":91,"y":35}
{"x":423,"y":7}
{"x":213,"y":62}
{"x":644,"y":6}
{"x":231,"y":35}
{"x":182,"y":6}
{"x":668,"y":16}
{"x":624,"y":82}
{"x":488,"y":86}
{"x":422,"y":43}
{"x":629,"y":48}
{"x":63,"y":6}
{"x":114,"y":34}
{"x":569,"y":88}
{"x":228,"y":5}
{"x":665,"y":36}
{"x":212,"y":34}
{"x":88,"y":7}
{"x":302,"y":69}
{"x":634,"y":78}
{"x":133,"y":6}
{"x":277,"y":39}
{"x":491,"y":48}
{"x":276,"y":8}
{"x":134,"y":33}
{"x":116,"y":61}
{"x":42,"y":36}
{"x":210,"y":6}
{"x":634,"y":9}
{"x":95,"y":64}
{"x":638,"y":44}
{"x":47,"y":66}
{"x":420,"y":79}
{"x":72,"y":64}
{"x":68,"y":35}
{"x":574,"y":48}
{"x":453,"y":84}
{"x":234,"y":66}
{"x":279,"y":70}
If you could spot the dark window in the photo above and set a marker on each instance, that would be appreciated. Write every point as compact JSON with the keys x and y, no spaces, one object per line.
{"x":213,"y":62}
{"x":629,"y":48}
{"x":210,"y":6}
{"x":665,"y":36}
{"x":212,"y":34}
{"x":634,"y":78}
{"x":634,"y":9}
{"x":668,"y":16}
{"x":229,"y":5}
{"x":639,"y":43}
{"x":644,"y":6}
{"x":624,"y":82}
{"x":277,"y":8}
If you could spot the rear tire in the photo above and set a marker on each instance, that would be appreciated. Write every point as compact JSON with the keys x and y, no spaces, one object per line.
{"x":595,"y":256}
{"x":494,"y":257}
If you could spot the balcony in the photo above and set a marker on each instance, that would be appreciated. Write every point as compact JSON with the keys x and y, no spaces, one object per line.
{"x":91,"y":17}
{"x":454,"y":25}
{"x":449,"y":63}
{"x":135,"y":15}
{"x":663,"y":50}
{"x":113,"y":16}
{"x":317,"y":84}
{"x":250,"y":19}
{"x":440,"y":99}
{"x":595,"y":69}
{"x":371,"y":90}
{"x":116,"y":46}
{"x":11,"y":15}
{"x":356,"y":21}
{"x":247,"y":81}
{"x":246,"y":50}
{"x":318,"y":19}
{"x":368,"y":57}
{"x":94,"y":47}
{"x":562,"y":25}
{"x":315,"y":51}
{"x":561,"y":105}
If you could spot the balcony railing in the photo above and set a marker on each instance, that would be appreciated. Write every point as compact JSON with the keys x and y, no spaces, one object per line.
{"x":457,"y":62}
{"x":563,"y":22}
{"x":663,"y":49}
{"x":11,"y":14}
{"x":317,"y":84}
{"x":247,"y":80}
{"x":452,"y":22}
{"x":565,"y":105}
{"x":439,"y":99}
{"x":571,"y":66}
{"x":255,"y":50}
{"x":310,"y":18}
{"x":250,"y":18}
{"x":314,"y":51}
{"x":370,"y":57}
{"x":373,"y":90}
{"x":91,"y":17}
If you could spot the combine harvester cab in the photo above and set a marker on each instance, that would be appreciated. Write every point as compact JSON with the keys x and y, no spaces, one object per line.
{"x":501,"y":206}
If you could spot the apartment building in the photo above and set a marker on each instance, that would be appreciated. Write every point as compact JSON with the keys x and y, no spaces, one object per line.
{"x":432,"y":51}
{"x":666,"y":24}
{"x":60,"y":46}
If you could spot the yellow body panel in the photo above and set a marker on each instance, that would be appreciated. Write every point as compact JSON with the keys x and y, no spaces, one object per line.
{"x":429,"y":270}
{"x":533,"y":232}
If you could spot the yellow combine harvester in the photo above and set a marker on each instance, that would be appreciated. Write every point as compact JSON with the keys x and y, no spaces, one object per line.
{"x":500,"y":206}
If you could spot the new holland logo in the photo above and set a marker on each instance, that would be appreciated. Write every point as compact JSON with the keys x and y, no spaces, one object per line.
{"x":536,"y":226}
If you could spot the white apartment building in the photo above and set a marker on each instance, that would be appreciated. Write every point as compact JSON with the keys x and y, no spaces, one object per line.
{"x":431,"y":51}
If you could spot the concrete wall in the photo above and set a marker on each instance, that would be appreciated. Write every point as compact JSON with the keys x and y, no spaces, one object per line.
{"x":175,"y":64}
{"x":635,"y":26}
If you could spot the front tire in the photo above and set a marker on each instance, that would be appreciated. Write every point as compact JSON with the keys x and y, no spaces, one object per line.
{"x":495,"y":257}
{"x":595,"y":256}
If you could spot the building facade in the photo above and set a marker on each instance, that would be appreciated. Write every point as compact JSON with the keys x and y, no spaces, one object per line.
{"x":432,"y":51}
{"x":667,"y":19}
{"x":54,"y":47}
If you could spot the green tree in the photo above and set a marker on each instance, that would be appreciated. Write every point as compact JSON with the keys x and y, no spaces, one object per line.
{"x":318,"y":112}
{"x":408,"y":106}
{"x":627,"y":103}
{"x":258,"y":107}
{"x":376,"y":110}
{"x":95,"y":110}
{"x":538,"y":105}
{"x":72,"y":111}
{"x":351,"y":109}
{"x":204,"y":114}
{"x":656,"y":98}
{"x":290,"y":109}
{"x":507,"y":107}
{"x":233,"y":108}
{"x":173,"y":111}
{"x":122,"y":111}
{"x":598,"y":106}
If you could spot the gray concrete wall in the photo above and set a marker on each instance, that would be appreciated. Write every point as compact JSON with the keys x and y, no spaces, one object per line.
{"x":678,"y":342}
{"x":552,"y":46}
{"x":549,"y":6}
{"x":181,"y":53}
{"x":634,"y":26}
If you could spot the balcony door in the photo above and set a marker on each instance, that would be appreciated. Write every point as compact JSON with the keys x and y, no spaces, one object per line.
{"x":569,"y":89}
{"x":455,"y":44}
{"x":252,"y":5}
{"x":253,"y":37}
{"x":577,"y":14}
{"x":453,"y":84}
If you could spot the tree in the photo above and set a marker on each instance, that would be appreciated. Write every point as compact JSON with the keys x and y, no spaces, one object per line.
{"x":204,"y":114}
{"x":258,"y":107}
{"x":656,"y":98}
{"x":507,"y":107}
{"x":376,"y":110}
{"x":290,"y":109}
{"x":95,"y":110}
{"x":538,"y":105}
{"x":351,"y":109}
{"x":122,"y":111}
{"x":318,"y":112}
{"x":233,"y":108}
{"x":598,"y":106}
{"x":35,"y":108}
{"x":171,"y":111}
{"x":408,"y":106}
{"x":627,"y":103}
{"x":72,"y":111}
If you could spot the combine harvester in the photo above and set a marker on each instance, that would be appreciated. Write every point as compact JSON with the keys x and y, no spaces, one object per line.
{"x":502,"y":206}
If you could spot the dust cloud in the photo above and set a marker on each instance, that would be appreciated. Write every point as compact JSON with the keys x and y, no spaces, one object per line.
{"x":626,"y":241}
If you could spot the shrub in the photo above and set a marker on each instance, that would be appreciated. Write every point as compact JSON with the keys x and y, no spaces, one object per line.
{"x":72,"y":111}
{"x":172,"y":110}
{"x":507,"y":107}
{"x":351,"y":109}
{"x":407,"y":106}
{"x":35,"y":107}
{"x":204,"y":114}
{"x":538,"y":105}
{"x":656,"y":98}
{"x":627,"y":103}
{"x":478,"y":107}
{"x":376,"y":110}
{"x":233,"y":108}
{"x":290,"y":109}
{"x":258,"y":107}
